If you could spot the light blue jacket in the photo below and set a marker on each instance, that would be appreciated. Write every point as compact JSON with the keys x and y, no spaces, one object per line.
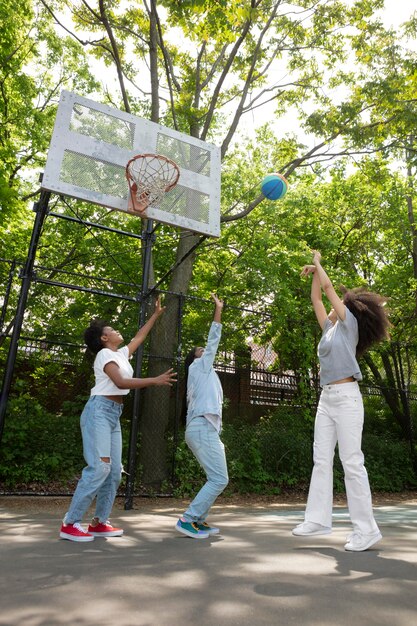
{"x":204,"y":389}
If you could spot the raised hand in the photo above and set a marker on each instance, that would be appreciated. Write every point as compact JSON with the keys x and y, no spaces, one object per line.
{"x":218,"y":303}
{"x":158,"y":308}
{"x":316,"y":256}
{"x":308,"y":269}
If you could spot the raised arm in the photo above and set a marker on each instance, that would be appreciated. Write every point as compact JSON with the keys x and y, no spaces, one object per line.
{"x":327,"y":286}
{"x":143,"y":332}
{"x":218,"y":309}
{"x":316,"y":296}
{"x":205,"y":362}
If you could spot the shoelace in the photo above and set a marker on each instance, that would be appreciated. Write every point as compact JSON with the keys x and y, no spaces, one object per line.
{"x":78,"y":526}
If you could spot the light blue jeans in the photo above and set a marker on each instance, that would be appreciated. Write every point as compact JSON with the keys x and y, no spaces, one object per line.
{"x":102,"y":438}
{"x":339,"y":419}
{"x":204,"y":442}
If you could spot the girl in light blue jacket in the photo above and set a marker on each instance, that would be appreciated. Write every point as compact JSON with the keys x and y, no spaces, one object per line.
{"x":204,"y":398}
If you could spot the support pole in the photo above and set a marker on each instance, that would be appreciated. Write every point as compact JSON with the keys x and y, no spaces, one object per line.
{"x":41,"y":208}
{"x":149,"y":238}
{"x":178,"y":403}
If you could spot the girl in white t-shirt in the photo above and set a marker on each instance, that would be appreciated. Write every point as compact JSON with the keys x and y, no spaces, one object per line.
{"x":100,"y":427}
{"x":354,"y":323}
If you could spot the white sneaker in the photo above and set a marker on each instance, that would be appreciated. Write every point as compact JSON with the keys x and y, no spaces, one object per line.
{"x":359,"y":543}
{"x":307,"y":529}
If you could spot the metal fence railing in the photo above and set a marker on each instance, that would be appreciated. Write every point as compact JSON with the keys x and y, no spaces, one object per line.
{"x":56,"y":363}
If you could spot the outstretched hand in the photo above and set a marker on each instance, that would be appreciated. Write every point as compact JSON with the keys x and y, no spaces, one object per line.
{"x":219,"y":303}
{"x":167,"y":378}
{"x":316,"y":256}
{"x":158,"y":308}
{"x":308,"y":269}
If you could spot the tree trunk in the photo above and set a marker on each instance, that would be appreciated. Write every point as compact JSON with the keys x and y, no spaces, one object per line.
{"x":394,"y":394}
{"x":159,"y":401}
{"x":410,"y":157}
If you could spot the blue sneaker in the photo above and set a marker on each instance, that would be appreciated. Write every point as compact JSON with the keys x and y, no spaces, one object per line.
{"x":191,"y":529}
{"x":211,"y":530}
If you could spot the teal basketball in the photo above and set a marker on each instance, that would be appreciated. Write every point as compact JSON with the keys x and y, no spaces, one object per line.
{"x":274,"y":186}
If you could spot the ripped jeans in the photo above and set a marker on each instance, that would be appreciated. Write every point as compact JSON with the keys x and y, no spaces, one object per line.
{"x":102,"y":438}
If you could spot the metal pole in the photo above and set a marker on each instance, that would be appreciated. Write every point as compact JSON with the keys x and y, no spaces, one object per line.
{"x":41,"y":208}
{"x":149,"y":238}
{"x":178,"y":403}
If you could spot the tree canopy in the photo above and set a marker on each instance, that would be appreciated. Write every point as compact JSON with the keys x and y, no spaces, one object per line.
{"x":233,"y":73}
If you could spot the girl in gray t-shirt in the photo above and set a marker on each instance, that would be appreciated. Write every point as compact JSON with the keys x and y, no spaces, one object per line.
{"x":352,"y":326}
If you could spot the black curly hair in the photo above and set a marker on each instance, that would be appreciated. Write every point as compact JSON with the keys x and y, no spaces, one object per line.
{"x":369,"y":309}
{"x":92,"y":335}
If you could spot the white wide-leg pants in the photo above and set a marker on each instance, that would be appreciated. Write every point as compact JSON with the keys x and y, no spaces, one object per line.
{"x":339,"y":419}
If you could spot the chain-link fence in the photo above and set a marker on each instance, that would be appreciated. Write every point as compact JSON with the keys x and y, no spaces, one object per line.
{"x":53,"y":370}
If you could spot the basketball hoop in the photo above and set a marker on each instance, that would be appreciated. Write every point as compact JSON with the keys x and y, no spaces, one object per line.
{"x":150,"y":176}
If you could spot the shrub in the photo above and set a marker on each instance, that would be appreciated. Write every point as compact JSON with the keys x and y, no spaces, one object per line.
{"x":38,"y":446}
{"x":388,"y":463}
{"x":276,"y":454}
{"x":189,"y":477}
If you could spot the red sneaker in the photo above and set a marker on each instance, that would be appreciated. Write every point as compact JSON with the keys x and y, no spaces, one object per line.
{"x":105,"y":530}
{"x":75,"y":532}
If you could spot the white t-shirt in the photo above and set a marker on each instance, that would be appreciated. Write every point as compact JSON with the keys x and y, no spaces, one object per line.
{"x":104,"y":385}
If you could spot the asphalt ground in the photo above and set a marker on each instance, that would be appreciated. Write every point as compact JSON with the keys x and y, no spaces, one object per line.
{"x":254,"y":573}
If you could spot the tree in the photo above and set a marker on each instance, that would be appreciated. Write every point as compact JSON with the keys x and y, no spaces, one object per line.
{"x":385,"y":102}
{"x":35,"y":64}
{"x":224,"y":66}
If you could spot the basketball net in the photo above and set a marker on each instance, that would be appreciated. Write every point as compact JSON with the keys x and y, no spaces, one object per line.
{"x":150,"y":176}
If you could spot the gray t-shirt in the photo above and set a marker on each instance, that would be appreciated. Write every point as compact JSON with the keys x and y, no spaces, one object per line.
{"x":337,"y":350}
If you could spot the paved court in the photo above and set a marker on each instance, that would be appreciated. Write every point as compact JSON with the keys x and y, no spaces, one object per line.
{"x":256,"y":572}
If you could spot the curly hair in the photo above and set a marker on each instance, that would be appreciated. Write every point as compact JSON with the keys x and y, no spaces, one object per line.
{"x":92,"y":335}
{"x":369,"y":309}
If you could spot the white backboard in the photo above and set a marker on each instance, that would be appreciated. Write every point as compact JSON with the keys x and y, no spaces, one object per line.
{"x":92,"y":143}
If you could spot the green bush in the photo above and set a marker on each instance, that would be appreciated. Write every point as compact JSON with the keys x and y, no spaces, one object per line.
{"x":276,"y":454}
{"x":388,"y":463}
{"x":247,"y":471}
{"x":189,"y":477}
{"x":285,"y":442}
{"x":38,"y":446}
{"x":378,"y":419}
{"x":42,"y":447}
